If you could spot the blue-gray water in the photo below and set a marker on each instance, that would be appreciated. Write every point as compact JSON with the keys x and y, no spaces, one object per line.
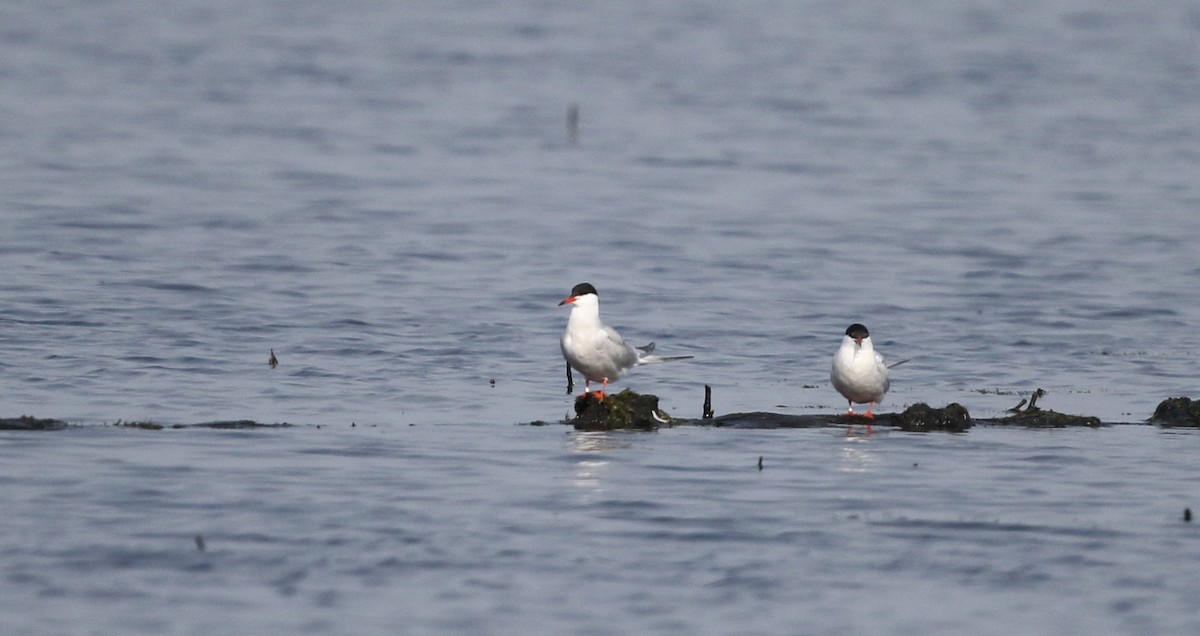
{"x":385,"y":194}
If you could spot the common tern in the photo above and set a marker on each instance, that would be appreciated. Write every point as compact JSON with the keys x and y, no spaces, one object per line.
{"x":595,"y":349}
{"x":859,"y":372}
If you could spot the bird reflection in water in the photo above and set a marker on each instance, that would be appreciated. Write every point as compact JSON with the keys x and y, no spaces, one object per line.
{"x":856,"y":454}
{"x":590,"y":467}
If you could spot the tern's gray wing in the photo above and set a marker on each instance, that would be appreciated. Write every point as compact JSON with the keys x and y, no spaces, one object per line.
{"x":883,"y":369}
{"x":613,"y":347}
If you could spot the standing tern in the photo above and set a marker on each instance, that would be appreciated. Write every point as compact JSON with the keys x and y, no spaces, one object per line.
{"x":859,"y":372}
{"x":595,"y":349}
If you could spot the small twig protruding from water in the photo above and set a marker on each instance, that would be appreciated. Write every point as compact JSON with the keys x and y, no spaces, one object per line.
{"x":1033,"y":398}
{"x":1187,"y":514}
{"x":1017,"y":408}
{"x":760,"y":462}
{"x":200,"y":543}
{"x":570,"y":380}
{"x":573,"y":123}
{"x":708,"y":412}
{"x":273,"y":361}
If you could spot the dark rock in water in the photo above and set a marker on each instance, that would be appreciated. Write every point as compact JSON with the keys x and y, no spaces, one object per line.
{"x":28,"y":423}
{"x":922,"y":417}
{"x":1178,"y":411}
{"x":625,"y":410}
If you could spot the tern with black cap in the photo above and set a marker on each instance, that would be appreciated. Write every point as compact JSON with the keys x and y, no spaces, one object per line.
{"x":595,"y":349}
{"x":859,"y":372}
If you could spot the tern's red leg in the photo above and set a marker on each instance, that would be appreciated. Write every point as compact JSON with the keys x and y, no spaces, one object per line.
{"x":587,"y":389}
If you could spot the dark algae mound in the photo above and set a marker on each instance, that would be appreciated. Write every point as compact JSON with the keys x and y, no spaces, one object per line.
{"x":625,"y":410}
{"x":629,"y":410}
{"x":922,"y":417}
{"x":1036,"y":417}
{"x":220,"y":424}
{"x":29,"y":423}
{"x":239,"y":424}
{"x":1177,"y":411}
{"x":761,"y":419}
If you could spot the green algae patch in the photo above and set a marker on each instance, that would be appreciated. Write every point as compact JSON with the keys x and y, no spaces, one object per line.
{"x":625,"y":410}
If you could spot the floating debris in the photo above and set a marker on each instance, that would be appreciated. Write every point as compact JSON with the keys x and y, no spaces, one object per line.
{"x":707,"y":413}
{"x":1187,"y":514}
{"x":760,"y":462}
{"x":273,"y":361}
{"x":200,"y":543}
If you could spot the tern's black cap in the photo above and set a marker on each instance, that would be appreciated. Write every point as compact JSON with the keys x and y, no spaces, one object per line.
{"x":583,"y":288}
{"x":857,"y":331}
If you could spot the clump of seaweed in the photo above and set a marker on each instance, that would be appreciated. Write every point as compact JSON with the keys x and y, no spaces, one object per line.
{"x":625,"y":410}
{"x":1177,"y":411}
{"x":922,"y":417}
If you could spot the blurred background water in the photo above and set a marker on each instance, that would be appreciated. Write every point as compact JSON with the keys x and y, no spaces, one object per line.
{"x":387,"y":196}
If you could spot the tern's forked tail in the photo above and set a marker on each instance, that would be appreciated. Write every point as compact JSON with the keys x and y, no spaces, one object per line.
{"x":657,"y":359}
{"x":645,"y":357}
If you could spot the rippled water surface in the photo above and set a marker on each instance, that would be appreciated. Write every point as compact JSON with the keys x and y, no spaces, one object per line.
{"x":387,"y":196}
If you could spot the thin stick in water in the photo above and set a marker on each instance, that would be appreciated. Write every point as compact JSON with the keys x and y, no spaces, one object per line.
{"x":573,"y":123}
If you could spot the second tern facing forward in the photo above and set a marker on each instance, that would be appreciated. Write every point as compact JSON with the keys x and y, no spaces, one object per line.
{"x":595,"y":349}
{"x":859,"y":372}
